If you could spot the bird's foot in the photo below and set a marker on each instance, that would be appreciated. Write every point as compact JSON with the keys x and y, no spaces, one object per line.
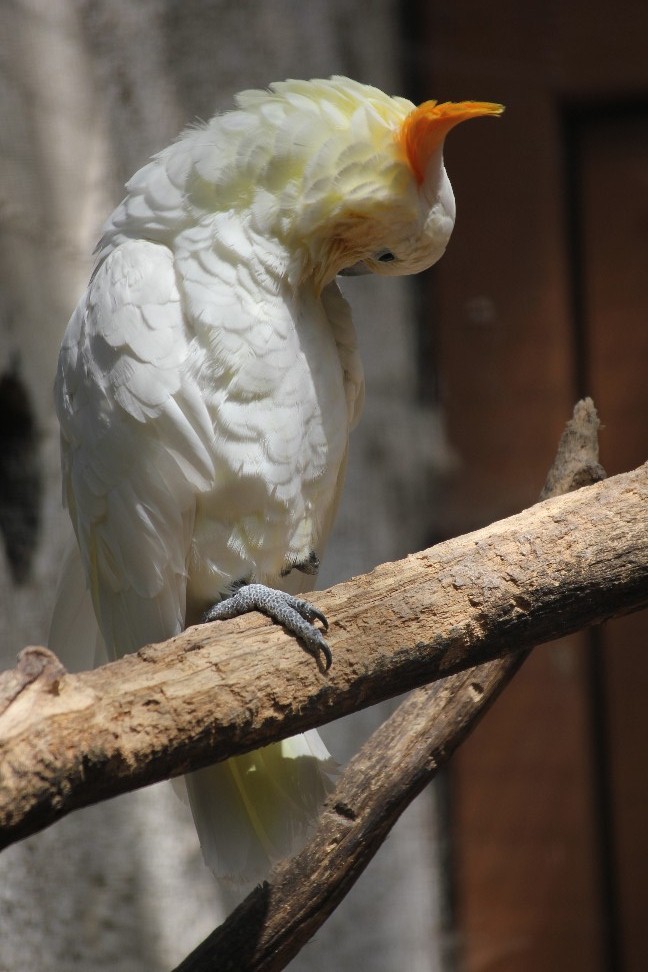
{"x":294,"y":614}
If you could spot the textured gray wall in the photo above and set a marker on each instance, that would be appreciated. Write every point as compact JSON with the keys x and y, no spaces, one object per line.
{"x":89,"y":90}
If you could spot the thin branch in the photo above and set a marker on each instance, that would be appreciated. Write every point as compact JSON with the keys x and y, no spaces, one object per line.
{"x":268,"y":929}
{"x":70,"y":740}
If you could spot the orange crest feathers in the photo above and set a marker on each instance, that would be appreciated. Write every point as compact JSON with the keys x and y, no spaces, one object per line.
{"x":422,"y":132}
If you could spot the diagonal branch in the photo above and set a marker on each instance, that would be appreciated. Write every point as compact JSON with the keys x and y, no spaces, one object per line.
{"x":268,"y":929}
{"x":70,"y":740}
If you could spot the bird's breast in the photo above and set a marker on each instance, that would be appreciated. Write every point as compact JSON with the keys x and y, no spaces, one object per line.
{"x":275,"y":392}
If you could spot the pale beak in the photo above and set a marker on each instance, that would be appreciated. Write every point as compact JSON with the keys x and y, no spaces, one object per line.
{"x":355,"y":270}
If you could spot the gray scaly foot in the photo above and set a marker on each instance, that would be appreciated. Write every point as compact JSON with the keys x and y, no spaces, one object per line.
{"x":295,"y":615}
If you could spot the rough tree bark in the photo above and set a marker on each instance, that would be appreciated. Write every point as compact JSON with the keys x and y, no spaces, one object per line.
{"x":274,"y":922}
{"x":70,"y":740}
{"x":391,"y":769}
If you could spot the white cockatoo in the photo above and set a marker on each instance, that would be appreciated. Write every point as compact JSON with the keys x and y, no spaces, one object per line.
{"x":207,"y":383}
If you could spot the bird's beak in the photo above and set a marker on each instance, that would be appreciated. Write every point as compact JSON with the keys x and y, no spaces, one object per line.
{"x":423,"y":131}
{"x":355,"y":270}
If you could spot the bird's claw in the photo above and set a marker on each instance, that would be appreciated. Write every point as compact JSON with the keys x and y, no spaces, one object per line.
{"x":292,"y":613}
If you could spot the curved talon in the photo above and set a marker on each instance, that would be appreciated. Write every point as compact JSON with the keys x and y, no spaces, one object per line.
{"x":292,"y":613}
{"x":307,"y":610}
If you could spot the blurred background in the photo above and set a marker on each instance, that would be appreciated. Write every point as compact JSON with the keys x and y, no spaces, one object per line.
{"x":531,"y":854}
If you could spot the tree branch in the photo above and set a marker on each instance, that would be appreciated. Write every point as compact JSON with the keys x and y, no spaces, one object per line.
{"x":268,"y":929}
{"x":70,"y":740}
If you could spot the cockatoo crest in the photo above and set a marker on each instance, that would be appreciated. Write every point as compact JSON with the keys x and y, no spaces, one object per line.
{"x":335,"y":172}
{"x":351,"y":170}
{"x":424,"y":129}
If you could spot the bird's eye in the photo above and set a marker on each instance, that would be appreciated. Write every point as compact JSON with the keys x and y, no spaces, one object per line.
{"x":385,"y":256}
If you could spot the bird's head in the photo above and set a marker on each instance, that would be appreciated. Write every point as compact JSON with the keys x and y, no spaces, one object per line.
{"x":418,"y":219}
{"x":352,"y":180}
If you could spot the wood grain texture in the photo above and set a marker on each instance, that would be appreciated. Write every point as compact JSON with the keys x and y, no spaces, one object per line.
{"x":70,"y":740}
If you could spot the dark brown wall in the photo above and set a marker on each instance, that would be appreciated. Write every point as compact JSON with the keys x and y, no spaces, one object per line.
{"x":541,"y":298}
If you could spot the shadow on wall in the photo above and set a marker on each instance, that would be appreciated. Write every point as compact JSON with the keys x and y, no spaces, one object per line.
{"x":21,"y":480}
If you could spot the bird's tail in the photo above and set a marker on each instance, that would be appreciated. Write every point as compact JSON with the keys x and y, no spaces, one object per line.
{"x":249,"y":811}
{"x":255,"y":809}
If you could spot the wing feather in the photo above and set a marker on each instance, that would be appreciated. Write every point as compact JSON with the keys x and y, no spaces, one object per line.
{"x":136,"y":443}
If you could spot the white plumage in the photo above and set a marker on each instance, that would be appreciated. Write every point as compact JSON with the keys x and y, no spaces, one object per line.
{"x":209,"y":378}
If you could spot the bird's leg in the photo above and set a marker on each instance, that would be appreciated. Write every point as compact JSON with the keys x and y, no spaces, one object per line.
{"x":294,"y":614}
{"x":310,"y":565}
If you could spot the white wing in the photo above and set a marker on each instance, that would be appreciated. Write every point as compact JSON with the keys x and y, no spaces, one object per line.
{"x":136,"y":440}
{"x":74,"y":634}
{"x":138,"y":447}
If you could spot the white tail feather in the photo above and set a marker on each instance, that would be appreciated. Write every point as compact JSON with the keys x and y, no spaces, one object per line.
{"x":256,"y":809}
{"x":250,"y":811}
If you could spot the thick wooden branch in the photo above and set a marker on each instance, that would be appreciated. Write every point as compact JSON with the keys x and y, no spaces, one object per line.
{"x":401,"y":757}
{"x":268,"y":929}
{"x":70,"y":740}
